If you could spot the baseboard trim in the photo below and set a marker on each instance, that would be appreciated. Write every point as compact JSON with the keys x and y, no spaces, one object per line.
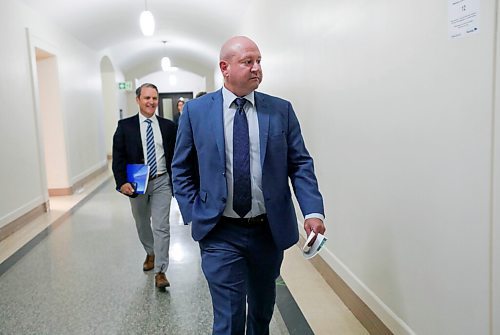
{"x":359,"y":309}
{"x":21,"y":221}
{"x":56,"y":192}
{"x":11,"y":260}
{"x":18,"y":223}
{"x":79,"y":184}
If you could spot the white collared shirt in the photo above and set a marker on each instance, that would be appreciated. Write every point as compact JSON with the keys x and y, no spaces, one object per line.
{"x":160,"y":154}
{"x":229,"y":108}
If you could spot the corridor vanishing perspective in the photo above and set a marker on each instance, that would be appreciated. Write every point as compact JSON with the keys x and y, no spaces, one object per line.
{"x":85,"y":277}
{"x":398,"y":103}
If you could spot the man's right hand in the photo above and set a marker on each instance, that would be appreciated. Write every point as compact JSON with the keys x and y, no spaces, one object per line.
{"x":127,"y":189}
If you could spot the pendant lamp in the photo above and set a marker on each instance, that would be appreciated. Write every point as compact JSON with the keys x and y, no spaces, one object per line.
{"x":147,"y":21}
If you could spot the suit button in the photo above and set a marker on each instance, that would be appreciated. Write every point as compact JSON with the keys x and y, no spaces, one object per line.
{"x":223,"y":199}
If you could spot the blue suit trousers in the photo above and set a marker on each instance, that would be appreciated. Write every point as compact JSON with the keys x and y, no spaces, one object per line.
{"x":241,"y":265}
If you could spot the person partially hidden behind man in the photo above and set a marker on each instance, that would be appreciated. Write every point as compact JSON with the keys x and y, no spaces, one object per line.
{"x":146,"y":138}
{"x":236,"y":151}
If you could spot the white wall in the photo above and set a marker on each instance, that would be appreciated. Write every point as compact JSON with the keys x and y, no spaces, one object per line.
{"x":81,"y":95}
{"x":18,"y":128}
{"x":495,"y":251}
{"x":113,"y":100}
{"x":81,"y":105}
{"x":398,"y":117}
{"x":122,"y":95}
{"x":185,"y":82}
{"x":218,"y":79}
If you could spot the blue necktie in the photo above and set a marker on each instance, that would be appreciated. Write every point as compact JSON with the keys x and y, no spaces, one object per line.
{"x":242,"y":192}
{"x":150,"y":143}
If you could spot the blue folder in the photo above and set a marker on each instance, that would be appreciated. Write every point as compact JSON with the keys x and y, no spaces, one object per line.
{"x":138,"y":176}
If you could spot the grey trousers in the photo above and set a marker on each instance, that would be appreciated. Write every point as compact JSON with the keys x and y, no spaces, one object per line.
{"x":151,"y":212}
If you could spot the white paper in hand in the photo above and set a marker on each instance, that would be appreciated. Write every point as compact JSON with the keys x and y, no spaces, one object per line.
{"x":310,"y":252}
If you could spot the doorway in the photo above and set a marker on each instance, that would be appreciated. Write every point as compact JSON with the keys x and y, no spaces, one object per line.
{"x":53,"y":141}
{"x":167,"y":106}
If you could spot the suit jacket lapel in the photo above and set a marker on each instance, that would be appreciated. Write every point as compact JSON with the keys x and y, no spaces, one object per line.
{"x":263,"y":115}
{"x":137,"y":132}
{"x":217,"y":111}
{"x":163,"y":131}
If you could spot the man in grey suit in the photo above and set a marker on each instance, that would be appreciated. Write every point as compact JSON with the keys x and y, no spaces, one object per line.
{"x":131,"y":144}
{"x":236,"y":151}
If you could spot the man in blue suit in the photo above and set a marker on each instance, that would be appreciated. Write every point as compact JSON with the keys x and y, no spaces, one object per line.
{"x":235,"y":153}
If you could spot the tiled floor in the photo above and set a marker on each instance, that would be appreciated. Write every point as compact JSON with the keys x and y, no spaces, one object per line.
{"x":82,"y":275}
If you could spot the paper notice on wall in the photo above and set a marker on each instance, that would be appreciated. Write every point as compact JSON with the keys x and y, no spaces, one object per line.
{"x":464,"y":17}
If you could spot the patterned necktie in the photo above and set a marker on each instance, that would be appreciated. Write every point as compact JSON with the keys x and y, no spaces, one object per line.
{"x":242,"y":195}
{"x":150,"y":142}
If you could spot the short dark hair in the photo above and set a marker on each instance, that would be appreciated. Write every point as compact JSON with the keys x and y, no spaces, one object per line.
{"x":139,"y":89}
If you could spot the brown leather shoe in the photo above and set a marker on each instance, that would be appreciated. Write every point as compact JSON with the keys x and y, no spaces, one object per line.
{"x":161,"y":280}
{"x":149,"y":263}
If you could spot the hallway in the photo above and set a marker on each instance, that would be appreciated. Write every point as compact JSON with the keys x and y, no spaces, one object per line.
{"x":84,"y":277}
{"x":398,"y":104}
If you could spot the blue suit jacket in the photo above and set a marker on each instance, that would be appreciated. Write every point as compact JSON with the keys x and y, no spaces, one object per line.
{"x":199,"y":166}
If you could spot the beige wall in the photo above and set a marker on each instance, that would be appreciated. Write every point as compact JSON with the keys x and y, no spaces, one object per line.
{"x":52,"y":124}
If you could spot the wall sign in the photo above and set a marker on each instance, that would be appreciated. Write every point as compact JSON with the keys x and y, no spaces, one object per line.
{"x":463,"y":17}
{"x":125,"y":85}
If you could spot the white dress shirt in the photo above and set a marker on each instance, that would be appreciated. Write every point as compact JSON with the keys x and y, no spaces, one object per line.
{"x":160,"y":154}
{"x":229,"y":108}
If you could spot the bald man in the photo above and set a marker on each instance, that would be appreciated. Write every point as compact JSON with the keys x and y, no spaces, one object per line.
{"x":236,"y":151}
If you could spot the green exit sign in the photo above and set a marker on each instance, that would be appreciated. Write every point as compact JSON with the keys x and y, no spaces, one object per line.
{"x":125,"y":85}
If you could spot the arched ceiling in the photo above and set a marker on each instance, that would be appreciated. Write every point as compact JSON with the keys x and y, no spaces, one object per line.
{"x":194,"y":29}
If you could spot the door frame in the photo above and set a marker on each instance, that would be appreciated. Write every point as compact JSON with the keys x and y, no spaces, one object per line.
{"x":174,"y":96}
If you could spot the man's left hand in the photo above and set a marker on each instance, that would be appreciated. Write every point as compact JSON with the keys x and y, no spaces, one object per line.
{"x":316,"y":225}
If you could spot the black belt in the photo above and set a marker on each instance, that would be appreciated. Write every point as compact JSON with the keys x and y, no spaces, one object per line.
{"x":158,"y":175}
{"x":246,"y":222}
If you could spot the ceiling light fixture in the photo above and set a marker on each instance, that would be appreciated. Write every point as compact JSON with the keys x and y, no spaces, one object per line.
{"x":172,"y":80}
{"x":165,"y":61}
{"x":147,"y":21}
